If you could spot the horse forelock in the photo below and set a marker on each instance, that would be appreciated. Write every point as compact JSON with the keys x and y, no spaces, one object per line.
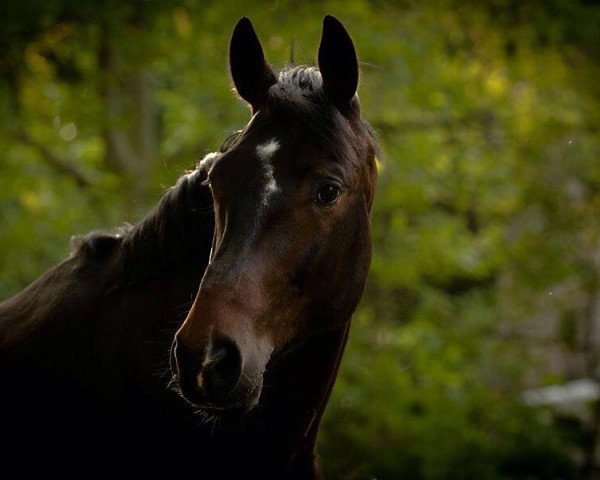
{"x":302,"y":77}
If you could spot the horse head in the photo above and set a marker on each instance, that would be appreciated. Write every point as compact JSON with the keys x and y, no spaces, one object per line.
{"x":292,"y":197}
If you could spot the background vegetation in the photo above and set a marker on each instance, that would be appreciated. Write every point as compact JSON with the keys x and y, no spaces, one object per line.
{"x":486,"y":272}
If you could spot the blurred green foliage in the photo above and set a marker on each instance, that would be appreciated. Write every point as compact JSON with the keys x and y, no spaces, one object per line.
{"x":485,"y":277}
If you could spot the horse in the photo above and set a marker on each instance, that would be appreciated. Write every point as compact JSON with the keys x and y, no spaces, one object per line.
{"x":209,"y":334}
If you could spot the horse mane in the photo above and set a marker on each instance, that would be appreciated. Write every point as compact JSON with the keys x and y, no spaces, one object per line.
{"x":168,"y":238}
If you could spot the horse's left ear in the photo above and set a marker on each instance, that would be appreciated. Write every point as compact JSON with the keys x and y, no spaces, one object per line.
{"x":250,"y":71}
{"x":338,"y":62}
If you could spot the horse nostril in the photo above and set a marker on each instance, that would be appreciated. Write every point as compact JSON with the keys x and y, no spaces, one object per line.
{"x":184,"y":362}
{"x":220,"y":370}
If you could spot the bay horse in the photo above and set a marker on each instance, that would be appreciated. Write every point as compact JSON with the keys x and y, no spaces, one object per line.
{"x":239,"y":285}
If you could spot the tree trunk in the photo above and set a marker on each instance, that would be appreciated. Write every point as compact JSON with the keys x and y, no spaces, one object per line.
{"x":130,"y":132}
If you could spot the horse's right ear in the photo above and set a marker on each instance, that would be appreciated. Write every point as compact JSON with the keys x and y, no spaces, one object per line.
{"x":337,"y":62}
{"x":251,"y":74}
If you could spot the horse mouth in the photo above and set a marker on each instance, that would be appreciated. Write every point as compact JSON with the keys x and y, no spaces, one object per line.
{"x":235,"y":406}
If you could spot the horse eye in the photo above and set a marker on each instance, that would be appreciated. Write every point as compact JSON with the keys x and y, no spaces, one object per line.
{"x":327,"y":194}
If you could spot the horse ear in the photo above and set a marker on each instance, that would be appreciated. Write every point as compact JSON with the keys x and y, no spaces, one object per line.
{"x":251,"y":74}
{"x":338,"y":62}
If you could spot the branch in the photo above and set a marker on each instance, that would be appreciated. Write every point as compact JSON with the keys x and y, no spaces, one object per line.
{"x":20,"y":133}
{"x":60,"y":165}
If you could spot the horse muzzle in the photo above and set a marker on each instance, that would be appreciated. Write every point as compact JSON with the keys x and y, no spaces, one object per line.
{"x":216,"y":378}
